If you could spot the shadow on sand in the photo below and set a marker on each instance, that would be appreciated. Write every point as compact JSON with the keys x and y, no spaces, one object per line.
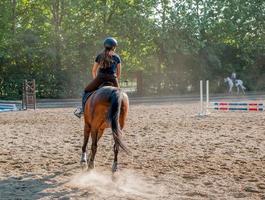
{"x":33,"y":186}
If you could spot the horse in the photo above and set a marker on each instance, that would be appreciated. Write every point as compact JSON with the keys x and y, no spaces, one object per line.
{"x":238,"y":83}
{"x":106,"y":107}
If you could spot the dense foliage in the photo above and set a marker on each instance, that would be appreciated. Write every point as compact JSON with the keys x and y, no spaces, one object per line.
{"x":174,"y":42}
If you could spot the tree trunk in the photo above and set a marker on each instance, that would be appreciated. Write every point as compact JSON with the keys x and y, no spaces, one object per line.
{"x":57,"y":9}
{"x":14,"y":5}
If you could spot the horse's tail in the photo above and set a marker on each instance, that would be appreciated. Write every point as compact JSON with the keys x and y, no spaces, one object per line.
{"x":113,"y":117}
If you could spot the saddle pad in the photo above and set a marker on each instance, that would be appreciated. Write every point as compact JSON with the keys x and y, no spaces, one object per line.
{"x":85,"y":97}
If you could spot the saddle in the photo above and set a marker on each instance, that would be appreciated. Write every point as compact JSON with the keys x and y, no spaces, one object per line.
{"x":86,"y":95}
{"x":79,"y":111}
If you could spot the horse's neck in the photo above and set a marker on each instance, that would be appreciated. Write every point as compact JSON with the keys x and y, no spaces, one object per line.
{"x":230,"y":82}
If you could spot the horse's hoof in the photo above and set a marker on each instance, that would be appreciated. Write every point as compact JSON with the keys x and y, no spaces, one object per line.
{"x":114,"y":167}
{"x":83,"y":165}
{"x":91,"y":165}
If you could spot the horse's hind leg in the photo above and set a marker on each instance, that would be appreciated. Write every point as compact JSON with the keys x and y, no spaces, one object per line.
{"x":243,"y":89}
{"x":116,"y":145}
{"x":86,"y":137}
{"x":94,"y":145}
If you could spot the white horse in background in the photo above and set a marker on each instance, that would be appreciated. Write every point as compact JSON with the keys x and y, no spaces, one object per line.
{"x":238,"y":83}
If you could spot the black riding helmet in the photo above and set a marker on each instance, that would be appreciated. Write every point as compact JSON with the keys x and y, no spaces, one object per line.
{"x":110,"y":43}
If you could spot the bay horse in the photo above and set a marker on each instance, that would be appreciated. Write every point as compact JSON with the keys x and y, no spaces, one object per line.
{"x":106,"y":107}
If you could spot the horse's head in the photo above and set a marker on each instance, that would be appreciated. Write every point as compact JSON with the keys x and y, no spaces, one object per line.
{"x":228,"y":79}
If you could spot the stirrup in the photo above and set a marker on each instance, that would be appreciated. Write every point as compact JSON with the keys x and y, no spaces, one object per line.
{"x":78,"y":112}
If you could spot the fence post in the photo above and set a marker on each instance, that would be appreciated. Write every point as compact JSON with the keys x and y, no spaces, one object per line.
{"x":139,"y":77}
{"x":201,"y":97}
{"x":207,"y":96}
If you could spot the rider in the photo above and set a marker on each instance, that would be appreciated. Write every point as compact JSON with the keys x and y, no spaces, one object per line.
{"x":107,"y":68}
{"x":233,"y":77}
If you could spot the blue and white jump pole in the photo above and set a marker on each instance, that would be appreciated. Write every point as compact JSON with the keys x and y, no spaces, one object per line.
{"x":8,"y":107}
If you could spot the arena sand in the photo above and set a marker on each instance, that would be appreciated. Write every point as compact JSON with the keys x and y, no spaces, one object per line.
{"x":175,"y":155}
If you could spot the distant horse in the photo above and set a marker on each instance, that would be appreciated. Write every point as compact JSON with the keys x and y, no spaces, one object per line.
{"x":238,"y":83}
{"x":106,"y":107}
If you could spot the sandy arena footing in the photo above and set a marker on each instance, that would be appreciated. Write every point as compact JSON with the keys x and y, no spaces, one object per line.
{"x":175,"y":155}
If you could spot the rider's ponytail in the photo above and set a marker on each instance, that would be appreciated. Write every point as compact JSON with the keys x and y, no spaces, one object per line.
{"x":106,"y":58}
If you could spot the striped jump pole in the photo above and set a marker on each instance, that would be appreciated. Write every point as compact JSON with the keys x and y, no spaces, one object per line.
{"x":234,"y":109}
{"x":237,"y":106}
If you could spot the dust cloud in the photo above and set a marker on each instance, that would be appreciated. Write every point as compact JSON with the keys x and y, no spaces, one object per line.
{"x":123,"y":183}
